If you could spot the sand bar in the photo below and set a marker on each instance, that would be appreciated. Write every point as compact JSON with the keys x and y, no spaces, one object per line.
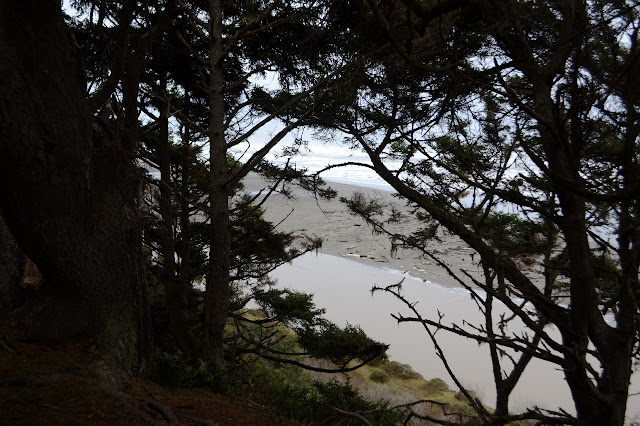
{"x":348,"y":236}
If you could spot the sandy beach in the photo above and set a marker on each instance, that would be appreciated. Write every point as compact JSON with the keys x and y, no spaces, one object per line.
{"x":350,"y":237}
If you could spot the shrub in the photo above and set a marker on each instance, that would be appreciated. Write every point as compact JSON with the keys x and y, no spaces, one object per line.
{"x":343,"y":396}
{"x":168,"y":369}
{"x":172,"y":370}
{"x":339,"y":345}
{"x":379,"y":376}
{"x":380,"y":360}
{"x":210,"y":376}
{"x":436,"y":385}
{"x":439,"y":383}
{"x":401,"y":371}
{"x":461,"y":397}
{"x":292,"y":393}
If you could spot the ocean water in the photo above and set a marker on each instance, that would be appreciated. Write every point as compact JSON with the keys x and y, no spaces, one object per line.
{"x":320,"y":155}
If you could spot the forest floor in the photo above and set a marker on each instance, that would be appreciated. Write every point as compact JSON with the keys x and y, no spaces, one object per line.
{"x":57,"y":384}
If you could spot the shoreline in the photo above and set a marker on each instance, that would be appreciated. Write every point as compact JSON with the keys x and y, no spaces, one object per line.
{"x":343,"y":288}
{"x":348,"y":238}
{"x":345,"y":235}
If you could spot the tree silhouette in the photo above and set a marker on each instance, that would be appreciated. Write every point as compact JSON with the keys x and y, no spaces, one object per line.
{"x":513,"y":125}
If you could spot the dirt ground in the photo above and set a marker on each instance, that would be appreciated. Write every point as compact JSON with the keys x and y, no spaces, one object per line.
{"x":55,"y":384}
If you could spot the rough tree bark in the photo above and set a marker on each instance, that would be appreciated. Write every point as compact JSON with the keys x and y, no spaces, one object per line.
{"x":174,"y":287}
{"x":218,"y":293}
{"x":68,"y":192}
{"x":11,"y":263}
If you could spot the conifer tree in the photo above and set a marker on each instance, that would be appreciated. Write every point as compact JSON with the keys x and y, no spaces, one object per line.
{"x":514,"y":125}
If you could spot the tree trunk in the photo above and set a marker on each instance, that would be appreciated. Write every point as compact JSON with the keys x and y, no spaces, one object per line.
{"x":603,"y":402}
{"x":218,"y":291}
{"x":70,"y":207}
{"x":184,"y":275}
{"x":11,"y":269}
{"x":175,"y":295}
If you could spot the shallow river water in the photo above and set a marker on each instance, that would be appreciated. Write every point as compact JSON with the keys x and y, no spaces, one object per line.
{"x":343,"y":287}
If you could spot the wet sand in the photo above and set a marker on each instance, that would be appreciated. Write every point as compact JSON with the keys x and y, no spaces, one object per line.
{"x":348,"y":236}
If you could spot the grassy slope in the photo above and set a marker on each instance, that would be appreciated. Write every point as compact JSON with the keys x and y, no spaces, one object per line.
{"x":399,"y":384}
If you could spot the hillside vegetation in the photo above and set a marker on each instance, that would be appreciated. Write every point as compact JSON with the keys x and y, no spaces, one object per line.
{"x":63,"y":383}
